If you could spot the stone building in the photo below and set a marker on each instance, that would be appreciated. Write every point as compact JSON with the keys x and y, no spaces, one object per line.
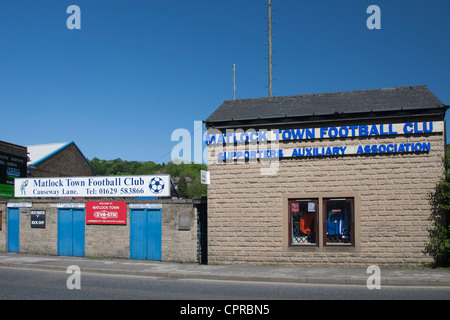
{"x":329,"y":179}
{"x":58,"y":160}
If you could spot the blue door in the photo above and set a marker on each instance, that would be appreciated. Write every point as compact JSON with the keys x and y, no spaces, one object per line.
{"x":13,"y":229}
{"x":154,"y":235}
{"x":145,"y":234}
{"x":138,"y":234}
{"x":71,"y":232}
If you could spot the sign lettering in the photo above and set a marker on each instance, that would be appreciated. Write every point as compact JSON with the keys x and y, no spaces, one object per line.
{"x":373,"y":130}
{"x":274,"y":151}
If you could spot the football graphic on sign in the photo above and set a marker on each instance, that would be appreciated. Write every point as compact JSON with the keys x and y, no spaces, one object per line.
{"x":156,"y":185}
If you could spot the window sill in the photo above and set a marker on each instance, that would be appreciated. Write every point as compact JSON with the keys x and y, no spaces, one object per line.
{"x":317,"y":248}
{"x":303,"y":245}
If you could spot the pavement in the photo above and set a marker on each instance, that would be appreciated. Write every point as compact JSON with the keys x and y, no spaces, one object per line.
{"x":283,"y":274}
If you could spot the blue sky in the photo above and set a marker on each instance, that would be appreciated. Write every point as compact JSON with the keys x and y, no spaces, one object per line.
{"x":138,"y":70}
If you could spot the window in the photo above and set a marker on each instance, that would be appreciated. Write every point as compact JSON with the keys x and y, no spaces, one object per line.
{"x":338,"y":221}
{"x":303,"y":221}
{"x":321,"y":221}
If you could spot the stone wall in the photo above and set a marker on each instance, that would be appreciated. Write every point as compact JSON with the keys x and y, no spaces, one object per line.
{"x":112,"y":241}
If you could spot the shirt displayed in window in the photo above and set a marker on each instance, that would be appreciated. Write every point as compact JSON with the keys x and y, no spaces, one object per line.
{"x":338,"y":223}
{"x":306,"y":223}
{"x":335,"y":223}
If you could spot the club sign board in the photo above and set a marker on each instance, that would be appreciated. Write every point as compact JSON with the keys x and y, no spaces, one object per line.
{"x":111,"y":186}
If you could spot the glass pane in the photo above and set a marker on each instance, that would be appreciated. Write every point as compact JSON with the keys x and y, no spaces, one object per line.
{"x":339,"y":221}
{"x":303,"y":222}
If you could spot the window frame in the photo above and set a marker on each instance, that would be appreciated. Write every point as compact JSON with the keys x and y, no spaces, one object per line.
{"x":352,"y":221}
{"x":316,"y":222}
{"x":321,"y":245}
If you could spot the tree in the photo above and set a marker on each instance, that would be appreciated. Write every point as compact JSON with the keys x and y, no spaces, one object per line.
{"x":196,"y":188}
{"x":182,"y":187}
{"x":182,"y":171}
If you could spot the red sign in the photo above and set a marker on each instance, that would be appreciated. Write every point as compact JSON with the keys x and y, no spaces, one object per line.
{"x":100,"y":212}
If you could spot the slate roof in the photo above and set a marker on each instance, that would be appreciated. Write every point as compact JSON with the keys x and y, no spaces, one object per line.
{"x":316,"y":107}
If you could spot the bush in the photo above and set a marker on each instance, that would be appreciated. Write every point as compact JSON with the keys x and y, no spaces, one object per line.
{"x":439,"y":246}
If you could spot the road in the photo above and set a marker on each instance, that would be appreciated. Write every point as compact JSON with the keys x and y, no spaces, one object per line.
{"x":25,"y":284}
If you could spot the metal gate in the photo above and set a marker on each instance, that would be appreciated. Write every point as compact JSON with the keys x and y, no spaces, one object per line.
{"x":71,"y":231}
{"x":13,"y":229}
{"x":202,"y":220}
{"x":145,"y":234}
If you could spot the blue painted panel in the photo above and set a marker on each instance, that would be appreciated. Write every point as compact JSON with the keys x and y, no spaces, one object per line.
{"x":154,"y":235}
{"x":145,"y":234}
{"x":78,"y":230}
{"x":65,"y":234}
{"x":138,"y":234}
{"x":13,"y":229}
{"x":71,"y":232}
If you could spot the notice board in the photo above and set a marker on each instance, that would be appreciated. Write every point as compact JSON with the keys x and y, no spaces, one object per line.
{"x":106,"y":212}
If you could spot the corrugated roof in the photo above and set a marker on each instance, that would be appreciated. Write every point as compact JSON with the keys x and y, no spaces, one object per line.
{"x":401,"y":98}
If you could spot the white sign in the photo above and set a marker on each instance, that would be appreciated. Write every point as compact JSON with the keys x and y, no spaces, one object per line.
{"x":71,"y":205}
{"x":145,"y":205}
{"x":19,"y":204}
{"x":112,"y":186}
{"x":204,"y":177}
